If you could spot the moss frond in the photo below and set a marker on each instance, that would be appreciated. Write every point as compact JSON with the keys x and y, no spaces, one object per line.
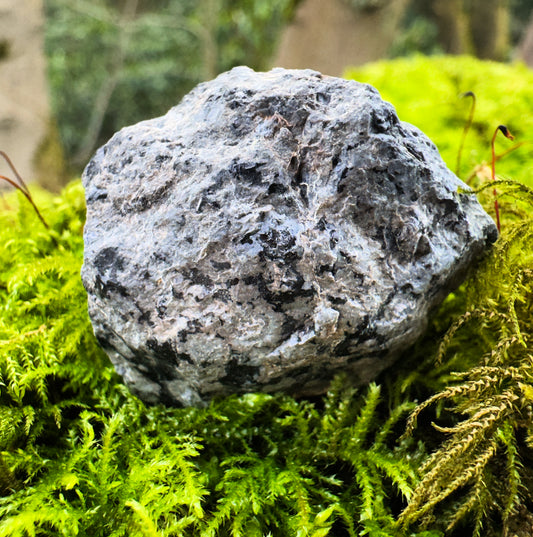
{"x":485,"y":444}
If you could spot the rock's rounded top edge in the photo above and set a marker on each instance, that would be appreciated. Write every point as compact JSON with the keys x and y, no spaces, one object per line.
{"x":244,"y":69}
{"x":244,"y":73}
{"x":279,"y":81}
{"x":280,"y":78}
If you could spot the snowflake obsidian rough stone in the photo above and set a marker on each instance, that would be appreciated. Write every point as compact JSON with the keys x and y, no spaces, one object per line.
{"x":270,"y":231}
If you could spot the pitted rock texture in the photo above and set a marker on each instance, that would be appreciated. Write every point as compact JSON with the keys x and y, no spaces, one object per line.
{"x":272,"y":230}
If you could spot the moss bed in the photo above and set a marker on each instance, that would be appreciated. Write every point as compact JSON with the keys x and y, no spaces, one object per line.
{"x":442,"y":445}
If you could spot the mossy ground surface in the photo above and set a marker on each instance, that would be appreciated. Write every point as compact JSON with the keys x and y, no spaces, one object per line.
{"x":79,"y":455}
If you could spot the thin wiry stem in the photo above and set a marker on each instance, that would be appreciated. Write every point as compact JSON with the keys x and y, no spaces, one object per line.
{"x":28,"y":197}
{"x":14,"y":170}
{"x":505,"y":131}
{"x":466,"y":128}
{"x":21,"y":185}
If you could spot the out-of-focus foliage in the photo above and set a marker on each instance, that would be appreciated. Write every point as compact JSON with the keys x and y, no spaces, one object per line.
{"x":419,"y":35}
{"x":126,"y":66}
{"x":247,"y":31}
{"x":115,"y":63}
{"x":429,"y":96}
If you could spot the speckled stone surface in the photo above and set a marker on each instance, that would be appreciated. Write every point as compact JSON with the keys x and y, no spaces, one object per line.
{"x":270,"y":231}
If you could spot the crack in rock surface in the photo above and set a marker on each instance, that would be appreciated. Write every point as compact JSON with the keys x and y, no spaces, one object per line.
{"x":270,"y":231}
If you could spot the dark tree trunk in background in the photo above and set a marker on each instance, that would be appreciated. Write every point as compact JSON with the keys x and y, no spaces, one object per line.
{"x":489,"y":28}
{"x":478,"y":27}
{"x":450,"y":20}
{"x":525,"y":50}
{"x":329,"y":35}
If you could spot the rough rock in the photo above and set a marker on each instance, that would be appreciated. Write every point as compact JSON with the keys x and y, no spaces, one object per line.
{"x":270,"y":231}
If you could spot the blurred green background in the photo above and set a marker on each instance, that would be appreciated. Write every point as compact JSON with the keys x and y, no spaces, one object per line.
{"x":111,"y":63}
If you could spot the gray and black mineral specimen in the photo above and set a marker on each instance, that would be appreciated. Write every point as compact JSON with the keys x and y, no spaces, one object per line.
{"x":270,"y":231}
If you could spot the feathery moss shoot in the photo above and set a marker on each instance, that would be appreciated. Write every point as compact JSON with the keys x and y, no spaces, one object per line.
{"x":485,"y":454}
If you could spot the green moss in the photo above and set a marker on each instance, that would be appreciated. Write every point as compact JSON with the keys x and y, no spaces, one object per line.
{"x":485,"y":432}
